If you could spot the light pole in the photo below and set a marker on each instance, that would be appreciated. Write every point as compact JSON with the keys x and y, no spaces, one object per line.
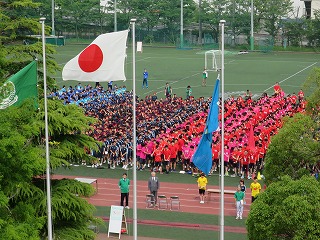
{"x":48,"y":184}
{"x":53,"y":32}
{"x":251,"y":37}
{"x":200,"y":24}
{"x":181,"y":25}
{"x":115,"y":16}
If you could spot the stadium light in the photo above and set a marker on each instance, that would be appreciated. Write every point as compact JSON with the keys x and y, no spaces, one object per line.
{"x":115,"y":16}
{"x":251,"y":37}
{"x":181,"y":25}
{"x":52,"y":20}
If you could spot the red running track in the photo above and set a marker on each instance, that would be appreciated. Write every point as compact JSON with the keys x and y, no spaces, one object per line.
{"x":109,"y":194}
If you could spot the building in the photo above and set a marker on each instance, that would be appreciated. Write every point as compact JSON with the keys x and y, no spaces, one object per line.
{"x":310,"y":6}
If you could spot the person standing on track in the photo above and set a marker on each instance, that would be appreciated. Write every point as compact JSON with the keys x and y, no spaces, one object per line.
{"x":202,"y":185}
{"x":153,"y":186}
{"x":238,"y":197}
{"x":255,"y":189}
{"x":124,"y":185}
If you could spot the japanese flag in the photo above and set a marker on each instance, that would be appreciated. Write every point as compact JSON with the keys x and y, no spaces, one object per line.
{"x":103,"y":60}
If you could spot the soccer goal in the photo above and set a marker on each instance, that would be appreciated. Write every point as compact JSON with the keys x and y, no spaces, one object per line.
{"x":213,"y":60}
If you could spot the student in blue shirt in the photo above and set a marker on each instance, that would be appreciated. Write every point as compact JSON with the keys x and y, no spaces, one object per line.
{"x":145,"y":78}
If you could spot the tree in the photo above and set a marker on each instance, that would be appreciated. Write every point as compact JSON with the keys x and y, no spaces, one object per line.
{"x":78,"y":15}
{"x":287,"y":209}
{"x":312,"y":84}
{"x":313,"y":30}
{"x":293,"y":151}
{"x":22,"y":165}
{"x":270,"y":12}
{"x":17,"y":45}
{"x":22,"y":146}
{"x":294,"y":30}
{"x":213,"y":12}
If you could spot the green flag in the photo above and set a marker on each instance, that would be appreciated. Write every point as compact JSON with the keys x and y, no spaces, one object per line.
{"x":19,"y":87}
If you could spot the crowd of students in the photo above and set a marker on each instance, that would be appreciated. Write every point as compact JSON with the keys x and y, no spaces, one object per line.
{"x":169,"y":130}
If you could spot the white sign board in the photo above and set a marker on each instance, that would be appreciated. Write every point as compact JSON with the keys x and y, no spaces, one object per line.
{"x":115,"y":221}
{"x":139,"y":46}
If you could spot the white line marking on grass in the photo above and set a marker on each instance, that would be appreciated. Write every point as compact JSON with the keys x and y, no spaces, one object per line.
{"x":137,"y":60}
{"x":162,"y":87}
{"x":293,"y":75}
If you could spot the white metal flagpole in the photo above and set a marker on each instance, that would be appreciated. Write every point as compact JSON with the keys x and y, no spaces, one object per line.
{"x":135,"y":223}
{"x":222,"y":22}
{"x":46,"y":132}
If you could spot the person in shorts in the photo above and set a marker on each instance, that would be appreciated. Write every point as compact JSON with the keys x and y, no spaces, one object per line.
{"x":202,"y":185}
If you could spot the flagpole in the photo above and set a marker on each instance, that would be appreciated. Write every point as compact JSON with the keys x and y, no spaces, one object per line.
{"x":135,"y":235}
{"x":222,"y":22}
{"x":46,"y":131}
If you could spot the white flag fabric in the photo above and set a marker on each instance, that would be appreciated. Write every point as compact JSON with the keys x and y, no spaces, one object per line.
{"x":102,"y":61}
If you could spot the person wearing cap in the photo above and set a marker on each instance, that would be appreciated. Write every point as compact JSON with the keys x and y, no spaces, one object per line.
{"x":124,"y":185}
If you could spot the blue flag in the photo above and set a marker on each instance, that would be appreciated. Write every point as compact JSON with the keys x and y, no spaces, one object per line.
{"x":202,"y":158}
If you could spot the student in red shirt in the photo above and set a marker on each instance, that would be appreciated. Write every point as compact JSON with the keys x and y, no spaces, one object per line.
{"x":277,"y":89}
{"x":173,"y":155}
{"x":180,"y":144}
{"x":215,"y":156}
{"x":166,"y":158}
{"x":245,"y":159}
{"x":157,"y":153}
{"x":252,"y":162}
{"x":236,"y":163}
{"x":186,"y":156}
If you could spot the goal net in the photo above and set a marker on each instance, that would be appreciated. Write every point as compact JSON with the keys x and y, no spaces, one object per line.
{"x":213,"y":60}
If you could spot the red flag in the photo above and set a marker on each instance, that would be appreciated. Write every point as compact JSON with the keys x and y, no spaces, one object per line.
{"x":251,"y":142}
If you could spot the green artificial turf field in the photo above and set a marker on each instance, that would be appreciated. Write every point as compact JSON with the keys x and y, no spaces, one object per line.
{"x":255,"y":71}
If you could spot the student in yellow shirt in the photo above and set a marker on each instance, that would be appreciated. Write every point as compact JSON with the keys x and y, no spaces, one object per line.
{"x":202,"y":185}
{"x":255,"y":189}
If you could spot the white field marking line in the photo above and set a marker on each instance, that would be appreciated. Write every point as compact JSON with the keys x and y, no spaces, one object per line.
{"x":293,"y":75}
{"x":140,"y":60}
{"x":162,"y":87}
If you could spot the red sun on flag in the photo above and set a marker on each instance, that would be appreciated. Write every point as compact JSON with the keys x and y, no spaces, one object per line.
{"x":91,"y":58}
